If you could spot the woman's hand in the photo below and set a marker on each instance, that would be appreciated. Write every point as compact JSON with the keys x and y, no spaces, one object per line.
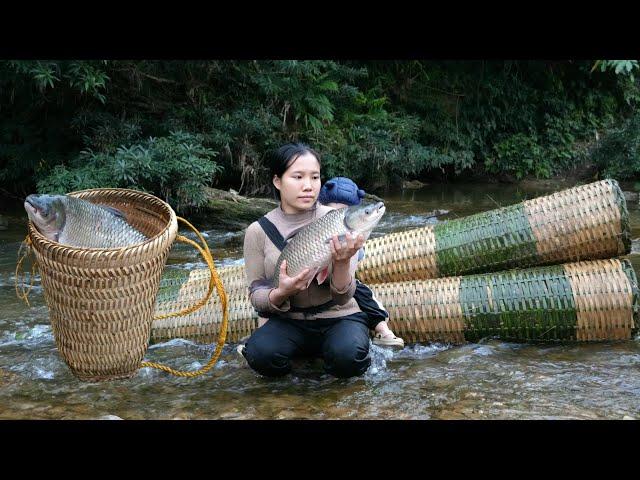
{"x":342,"y":252}
{"x":289,"y":286}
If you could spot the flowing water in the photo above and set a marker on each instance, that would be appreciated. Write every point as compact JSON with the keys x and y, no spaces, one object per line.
{"x":487,"y":380}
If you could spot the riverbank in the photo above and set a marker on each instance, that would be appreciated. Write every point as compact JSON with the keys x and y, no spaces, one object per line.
{"x":227,"y":210}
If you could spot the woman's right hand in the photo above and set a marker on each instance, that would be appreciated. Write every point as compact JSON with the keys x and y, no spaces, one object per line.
{"x":290,"y":286}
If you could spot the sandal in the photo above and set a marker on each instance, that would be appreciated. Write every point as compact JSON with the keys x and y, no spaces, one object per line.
{"x":394,"y":341}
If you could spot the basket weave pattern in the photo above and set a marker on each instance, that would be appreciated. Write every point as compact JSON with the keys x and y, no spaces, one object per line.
{"x":602,"y":300}
{"x":204,"y":325}
{"x":400,"y":256}
{"x":587,"y":222}
{"x":102,"y":301}
{"x":593,"y":300}
{"x":578,"y":224}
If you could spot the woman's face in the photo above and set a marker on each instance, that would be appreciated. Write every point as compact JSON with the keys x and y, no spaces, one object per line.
{"x":299,"y":185}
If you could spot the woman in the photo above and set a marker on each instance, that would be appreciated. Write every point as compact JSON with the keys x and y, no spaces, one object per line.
{"x":305,"y":318}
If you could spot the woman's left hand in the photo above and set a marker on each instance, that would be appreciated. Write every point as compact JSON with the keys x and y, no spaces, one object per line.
{"x":342,"y":252}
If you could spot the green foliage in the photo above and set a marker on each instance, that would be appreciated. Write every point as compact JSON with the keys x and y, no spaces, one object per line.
{"x":624,"y":67}
{"x":176,"y":167}
{"x":85,"y":77}
{"x":377,"y":146}
{"x":618,"y":155}
{"x":373,"y":121}
{"x":519,"y":154}
{"x":103,"y":132}
{"x":303,"y":90}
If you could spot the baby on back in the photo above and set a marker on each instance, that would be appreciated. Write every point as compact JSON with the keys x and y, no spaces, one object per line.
{"x":342,"y":192}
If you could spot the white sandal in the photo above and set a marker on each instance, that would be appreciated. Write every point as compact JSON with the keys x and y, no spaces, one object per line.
{"x":394,"y":341}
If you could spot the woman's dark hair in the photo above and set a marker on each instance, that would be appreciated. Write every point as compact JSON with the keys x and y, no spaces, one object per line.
{"x":282,"y":158}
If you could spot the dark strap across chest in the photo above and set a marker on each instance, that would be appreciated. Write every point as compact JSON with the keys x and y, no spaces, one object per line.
{"x":278,"y":240}
{"x":272,"y":232}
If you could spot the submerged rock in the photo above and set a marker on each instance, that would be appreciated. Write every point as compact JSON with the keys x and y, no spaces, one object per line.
{"x":109,"y":417}
{"x":7,"y":377}
{"x":631,"y":197}
{"x":232,"y":211}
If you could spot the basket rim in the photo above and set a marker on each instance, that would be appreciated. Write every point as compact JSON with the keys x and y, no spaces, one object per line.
{"x":172,"y":219}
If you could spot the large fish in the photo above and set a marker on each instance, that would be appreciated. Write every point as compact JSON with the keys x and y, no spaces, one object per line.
{"x":310,"y":247}
{"x":79,"y":223}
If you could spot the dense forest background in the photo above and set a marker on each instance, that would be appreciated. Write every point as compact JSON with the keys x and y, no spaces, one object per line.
{"x":174,"y":127}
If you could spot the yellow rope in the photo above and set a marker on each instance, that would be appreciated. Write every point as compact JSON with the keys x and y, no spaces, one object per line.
{"x":213,"y":281}
{"x":20,"y":277}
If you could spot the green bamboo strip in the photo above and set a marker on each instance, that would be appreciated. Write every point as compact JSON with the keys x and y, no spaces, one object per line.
{"x":518,"y":309}
{"x":489,"y":241}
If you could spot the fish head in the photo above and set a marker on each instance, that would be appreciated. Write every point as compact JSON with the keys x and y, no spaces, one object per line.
{"x":47,"y":213}
{"x":362,"y":219}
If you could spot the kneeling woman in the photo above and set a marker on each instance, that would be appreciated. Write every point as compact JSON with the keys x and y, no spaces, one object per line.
{"x":305,"y":318}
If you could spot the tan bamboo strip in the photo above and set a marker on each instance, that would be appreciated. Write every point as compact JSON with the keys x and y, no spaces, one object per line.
{"x":602,"y":294}
{"x":581,"y":223}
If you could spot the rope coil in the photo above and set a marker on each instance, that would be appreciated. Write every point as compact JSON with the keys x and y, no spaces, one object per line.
{"x":213,"y":281}
{"x":21,"y":292}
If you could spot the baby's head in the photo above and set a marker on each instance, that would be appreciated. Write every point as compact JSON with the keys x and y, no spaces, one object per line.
{"x":340,"y":192}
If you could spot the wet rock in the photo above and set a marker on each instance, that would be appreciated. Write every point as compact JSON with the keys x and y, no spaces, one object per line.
{"x":109,"y":417}
{"x":183,"y":416}
{"x":232,"y":211}
{"x":458,"y":410}
{"x":436,"y":213}
{"x":631,"y":197}
{"x":409,"y":184}
{"x":4,"y":223}
{"x":286,"y":415}
{"x":231,"y":415}
{"x":7,"y":377}
{"x":447,"y":415}
{"x":336,"y":412}
{"x":372,"y":197}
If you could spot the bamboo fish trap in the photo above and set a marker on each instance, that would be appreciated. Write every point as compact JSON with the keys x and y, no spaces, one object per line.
{"x":575,"y":302}
{"x":587,"y":222}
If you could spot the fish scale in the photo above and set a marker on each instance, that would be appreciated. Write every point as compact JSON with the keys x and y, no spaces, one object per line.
{"x":310,"y":247}
{"x":92,"y":226}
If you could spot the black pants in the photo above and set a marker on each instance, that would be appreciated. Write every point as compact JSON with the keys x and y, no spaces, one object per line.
{"x":342,"y":342}
{"x":369,"y":305}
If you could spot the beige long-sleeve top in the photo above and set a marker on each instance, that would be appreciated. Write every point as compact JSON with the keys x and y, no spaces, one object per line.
{"x":261,"y":256}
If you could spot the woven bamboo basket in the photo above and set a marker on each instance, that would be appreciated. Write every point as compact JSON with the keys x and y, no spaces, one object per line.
{"x":101,"y":301}
{"x":575,"y":302}
{"x":587,"y":222}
